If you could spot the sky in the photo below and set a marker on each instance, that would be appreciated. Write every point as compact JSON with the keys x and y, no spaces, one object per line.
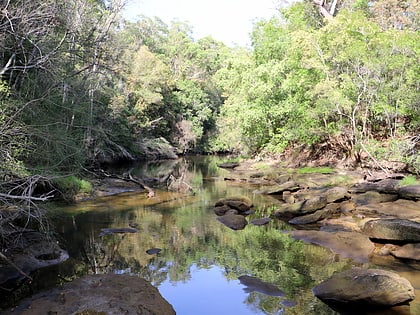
{"x":229,"y":21}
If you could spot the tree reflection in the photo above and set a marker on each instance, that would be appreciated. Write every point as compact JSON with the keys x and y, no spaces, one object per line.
{"x":188,"y":234}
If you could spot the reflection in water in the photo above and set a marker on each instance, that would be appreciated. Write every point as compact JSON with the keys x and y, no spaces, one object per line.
{"x":200,"y":260}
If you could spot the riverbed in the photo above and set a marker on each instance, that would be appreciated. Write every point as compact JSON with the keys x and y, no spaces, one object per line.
{"x":199,"y":265}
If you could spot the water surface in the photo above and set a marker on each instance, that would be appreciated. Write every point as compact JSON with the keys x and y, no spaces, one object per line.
{"x":200,"y":260}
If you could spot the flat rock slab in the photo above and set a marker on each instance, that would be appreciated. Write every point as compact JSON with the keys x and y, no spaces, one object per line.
{"x":407,"y":251}
{"x":365,"y":288}
{"x":388,"y":186}
{"x":409,"y":191}
{"x":401,"y":208}
{"x":98,"y":294}
{"x":372,"y":197}
{"x":393,"y":230}
{"x":348,"y":244}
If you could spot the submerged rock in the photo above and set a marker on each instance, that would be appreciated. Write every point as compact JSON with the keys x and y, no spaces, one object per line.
{"x":365,"y":288}
{"x":254,"y":284}
{"x":393,"y":229}
{"x":348,"y":244}
{"x":98,"y":294}
{"x":233,"y":221}
{"x":262,"y":221}
{"x":153,"y":251}
{"x":107,"y":231}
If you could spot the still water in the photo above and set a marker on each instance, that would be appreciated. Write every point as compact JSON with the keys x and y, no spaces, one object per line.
{"x":200,"y":261}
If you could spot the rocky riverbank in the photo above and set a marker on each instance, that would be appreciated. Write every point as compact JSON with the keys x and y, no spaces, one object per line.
{"x":362,"y":217}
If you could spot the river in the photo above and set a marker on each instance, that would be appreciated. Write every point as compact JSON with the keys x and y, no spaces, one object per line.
{"x":203,"y":267}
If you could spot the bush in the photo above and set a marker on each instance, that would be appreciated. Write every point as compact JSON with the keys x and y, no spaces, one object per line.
{"x":71,"y":185}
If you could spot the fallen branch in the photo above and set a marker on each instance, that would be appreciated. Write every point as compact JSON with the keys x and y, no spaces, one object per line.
{"x":27,"y":198}
{"x":130,"y":178}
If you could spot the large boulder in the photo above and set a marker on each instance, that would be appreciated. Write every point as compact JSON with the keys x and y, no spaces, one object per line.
{"x":365,"y":288}
{"x":393,"y":230}
{"x":98,"y":294}
{"x":280,"y":188}
{"x":348,"y":244}
{"x":233,"y":221}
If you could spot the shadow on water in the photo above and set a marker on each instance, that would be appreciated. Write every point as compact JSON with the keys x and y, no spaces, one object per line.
{"x":199,"y":265}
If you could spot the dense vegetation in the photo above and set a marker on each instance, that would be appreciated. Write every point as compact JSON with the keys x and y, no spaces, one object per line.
{"x":79,"y":85}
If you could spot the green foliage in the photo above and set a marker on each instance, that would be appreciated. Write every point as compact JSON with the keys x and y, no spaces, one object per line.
{"x":71,"y":185}
{"x":409,"y":180}
{"x":346,"y":80}
{"x":312,"y":170}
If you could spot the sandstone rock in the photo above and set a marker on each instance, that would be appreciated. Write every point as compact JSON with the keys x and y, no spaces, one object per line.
{"x":98,"y":294}
{"x":279,"y":189}
{"x":241,"y":204}
{"x":407,"y":251}
{"x":301,"y":207}
{"x":316,"y":216}
{"x":347,"y":206}
{"x":233,"y":221}
{"x":348,"y":244}
{"x":365,"y":288}
{"x":335,"y":194}
{"x":373,"y":197}
{"x":401,"y":208}
{"x":221,"y":210}
{"x":393,"y":229}
{"x":388,"y":186}
{"x":409,"y":192}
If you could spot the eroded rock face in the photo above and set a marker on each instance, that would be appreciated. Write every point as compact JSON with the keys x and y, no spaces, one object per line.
{"x":365,"y":288}
{"x":98,"y":294}
{"x":393,"y":229}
